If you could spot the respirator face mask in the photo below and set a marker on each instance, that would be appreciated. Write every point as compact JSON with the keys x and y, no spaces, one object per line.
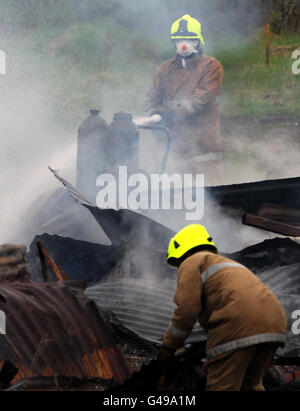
{"x":186,"y":47}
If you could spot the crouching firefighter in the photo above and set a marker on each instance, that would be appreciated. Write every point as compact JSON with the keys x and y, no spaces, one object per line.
{"x":244,"y":321}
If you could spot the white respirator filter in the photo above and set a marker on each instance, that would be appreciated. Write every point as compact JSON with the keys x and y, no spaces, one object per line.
{"x":186,"y":47}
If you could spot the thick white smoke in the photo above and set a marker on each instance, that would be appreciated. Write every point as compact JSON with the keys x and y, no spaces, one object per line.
{"x":34,"y":136}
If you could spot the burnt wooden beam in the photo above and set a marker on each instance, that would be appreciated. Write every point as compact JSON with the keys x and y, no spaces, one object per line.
{"x":280,"y":213}
{"x":271,"y":225}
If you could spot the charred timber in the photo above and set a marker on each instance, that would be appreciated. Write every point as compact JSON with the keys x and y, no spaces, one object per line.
{"x":271,"y":225}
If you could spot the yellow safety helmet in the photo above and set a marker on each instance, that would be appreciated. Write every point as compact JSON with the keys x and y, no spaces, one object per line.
{"x":186,"y":28}
{"x":191,"y":238}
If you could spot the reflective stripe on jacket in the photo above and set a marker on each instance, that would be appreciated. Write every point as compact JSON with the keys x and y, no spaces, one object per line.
{"x":231,"y":303}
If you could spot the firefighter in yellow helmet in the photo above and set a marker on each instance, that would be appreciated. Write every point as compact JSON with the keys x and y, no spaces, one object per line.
{"x":186,"y":92}
{"x":244,"y":321}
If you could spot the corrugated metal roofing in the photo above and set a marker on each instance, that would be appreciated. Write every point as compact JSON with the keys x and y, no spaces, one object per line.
{"x":146,"y":308}
{"x":268,"y":254}
{"x":249,"y":197}
{"x":55,"y":330}
{"x":283,"y":279}
{"x":143,"y":307}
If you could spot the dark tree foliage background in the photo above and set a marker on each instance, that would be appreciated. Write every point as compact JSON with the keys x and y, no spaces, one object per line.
{"x":242,"y":15}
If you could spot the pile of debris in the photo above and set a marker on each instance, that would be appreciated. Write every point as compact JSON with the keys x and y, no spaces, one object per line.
{"x":272,"y":205}
{"x":55,"y":337}
{"x":90,"y":316}
{"x":13,"y":265}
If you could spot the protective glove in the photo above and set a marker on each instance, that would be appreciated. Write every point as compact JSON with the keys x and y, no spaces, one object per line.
{"x":167,"y":114}
{"x":165,"y":354}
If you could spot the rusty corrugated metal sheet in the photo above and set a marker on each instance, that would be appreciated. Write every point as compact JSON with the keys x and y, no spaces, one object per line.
{"x":55,"y":330}
{"x":13,"y":264}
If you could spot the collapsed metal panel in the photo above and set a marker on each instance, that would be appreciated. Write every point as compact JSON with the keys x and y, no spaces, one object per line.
{"x":124,"y":226}
{"x":250,"y":196}
{"x":53,"y":330}
{"x":55,"y":212}
{"x":79,"y":260}
{"x":271,"y":260}
{"x":146,"y":308}
{"x":143,"y":307}
{"x":283,"y":279}
{"x":284,"y":282}
{"x":269,"y":253}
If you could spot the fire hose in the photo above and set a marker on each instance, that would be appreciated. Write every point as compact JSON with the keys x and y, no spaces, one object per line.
{"x":147,"y":124}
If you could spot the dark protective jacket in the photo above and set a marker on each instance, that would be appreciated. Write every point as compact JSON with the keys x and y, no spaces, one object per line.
{"x":194,"y":95}
{"x":231,"y":303}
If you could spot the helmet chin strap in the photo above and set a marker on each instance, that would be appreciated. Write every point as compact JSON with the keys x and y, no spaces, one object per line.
{"x":185,"y":59}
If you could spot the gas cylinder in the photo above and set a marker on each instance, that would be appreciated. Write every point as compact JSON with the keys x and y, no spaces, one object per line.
{"x":92,"y":153}
{"x":124,"y":139}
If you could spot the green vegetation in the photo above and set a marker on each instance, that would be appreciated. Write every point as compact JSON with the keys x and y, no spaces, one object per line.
{"x":100,"y":64}
{"x":108,"y":64}
{"x":251,"y":88}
